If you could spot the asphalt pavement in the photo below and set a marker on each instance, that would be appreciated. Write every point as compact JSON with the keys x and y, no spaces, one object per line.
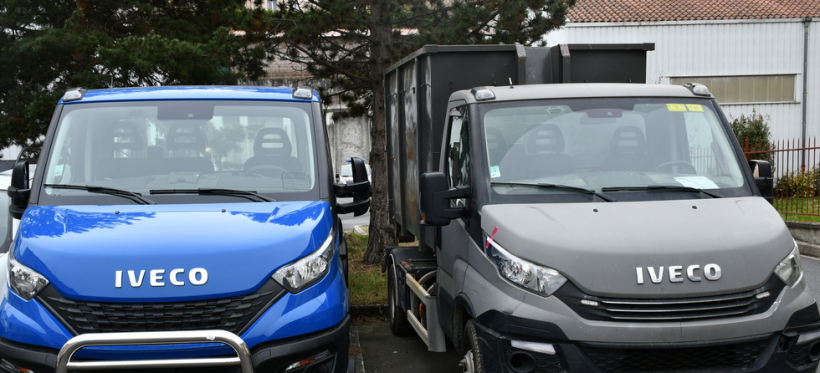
{"x":385,"y":353}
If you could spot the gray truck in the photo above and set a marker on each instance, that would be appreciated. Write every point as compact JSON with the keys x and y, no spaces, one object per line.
{"x":598,"y":225}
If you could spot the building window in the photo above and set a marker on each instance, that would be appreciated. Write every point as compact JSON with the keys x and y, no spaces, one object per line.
{"x":745,"y":89}
{"x":272,"y":6}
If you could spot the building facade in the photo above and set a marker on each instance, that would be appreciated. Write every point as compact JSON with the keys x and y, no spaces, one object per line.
{"x":756,"y":55}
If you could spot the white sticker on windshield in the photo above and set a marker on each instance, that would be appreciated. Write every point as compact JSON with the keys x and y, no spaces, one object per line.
{"x":495,"y":172}
{"x":58,"y":170}
{"x":700,"y":182}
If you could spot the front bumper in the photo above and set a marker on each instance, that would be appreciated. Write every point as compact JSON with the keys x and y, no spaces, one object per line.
{"x":330,"y":345}
{"x":796,"y":349}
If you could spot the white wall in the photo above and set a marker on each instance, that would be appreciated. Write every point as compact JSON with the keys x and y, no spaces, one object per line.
{"x":704,"y":48}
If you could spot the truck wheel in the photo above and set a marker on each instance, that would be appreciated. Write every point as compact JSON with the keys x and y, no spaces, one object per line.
{"x":471,"y":362}
{"x":398,"y":319}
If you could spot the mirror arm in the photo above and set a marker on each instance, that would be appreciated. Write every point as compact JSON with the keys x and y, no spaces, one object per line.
{"x":446,"y":196}
{"x":347,"y":190}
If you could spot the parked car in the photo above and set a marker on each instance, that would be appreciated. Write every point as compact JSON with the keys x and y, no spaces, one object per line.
{"x":346,"y":174}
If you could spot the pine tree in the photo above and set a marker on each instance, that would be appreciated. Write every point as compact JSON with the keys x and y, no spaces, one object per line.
{"x":49,"y":46}
{"x":352,"y":43}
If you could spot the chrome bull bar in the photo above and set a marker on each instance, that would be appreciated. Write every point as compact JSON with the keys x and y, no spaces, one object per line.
{"x":243,"y":358}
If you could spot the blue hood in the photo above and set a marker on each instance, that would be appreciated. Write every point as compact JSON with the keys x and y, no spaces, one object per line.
{"x":79,"y":249}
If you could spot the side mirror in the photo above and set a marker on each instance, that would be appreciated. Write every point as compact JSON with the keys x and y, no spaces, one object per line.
{"x":19,"y":190}
{"x":762,"y":172}
{"x":436,"y":196}
{"x":360,"y":190}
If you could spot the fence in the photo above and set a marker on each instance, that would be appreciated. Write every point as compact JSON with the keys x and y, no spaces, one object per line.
{"x":796,"y":174}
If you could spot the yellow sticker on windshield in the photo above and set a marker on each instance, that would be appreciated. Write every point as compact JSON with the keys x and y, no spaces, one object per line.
{"x":676,"y":107}
{"x":694,"y":107}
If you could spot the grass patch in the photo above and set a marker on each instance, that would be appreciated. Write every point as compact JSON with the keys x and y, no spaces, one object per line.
{"x":799,"y":205}
{"x":368,"y":285}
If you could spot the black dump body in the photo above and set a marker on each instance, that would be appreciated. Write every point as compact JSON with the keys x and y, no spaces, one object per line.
{"x":417,"y":88}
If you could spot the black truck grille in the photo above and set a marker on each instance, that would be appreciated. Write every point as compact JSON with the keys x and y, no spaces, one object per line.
{"x":680,"y":309}
{"x":675,"y":359}
{"x":233,"y":314}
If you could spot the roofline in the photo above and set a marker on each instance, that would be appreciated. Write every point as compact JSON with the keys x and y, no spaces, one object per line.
{"x":528,"y":92}
{"x":571,"y":24}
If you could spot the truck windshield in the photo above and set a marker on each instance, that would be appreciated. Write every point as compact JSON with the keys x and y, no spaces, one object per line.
{"x":139,"y":147}
{"x":616,"y":147}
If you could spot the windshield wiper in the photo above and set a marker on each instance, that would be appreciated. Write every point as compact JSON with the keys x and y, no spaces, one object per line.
{"x":136,"y":197}
{"x":558,"y":186}
{"x":662,"y":187}
{"x":253,"y":196}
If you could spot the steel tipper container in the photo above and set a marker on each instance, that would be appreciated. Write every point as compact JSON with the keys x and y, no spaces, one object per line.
{"x":599,"y":228}
{"x":179,"y":227}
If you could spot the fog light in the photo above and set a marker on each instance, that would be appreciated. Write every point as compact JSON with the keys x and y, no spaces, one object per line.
{"x":590,"y":303}
{"x":324,"y":355}
{"x":544,"y":348}
{"x":9,"y":367}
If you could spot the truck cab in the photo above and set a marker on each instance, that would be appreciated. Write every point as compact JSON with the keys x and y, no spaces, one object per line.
{"x":595,"y":227}
{"x":183,"y":228}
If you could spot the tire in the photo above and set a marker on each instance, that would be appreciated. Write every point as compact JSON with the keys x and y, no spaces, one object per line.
{"x":471,"y":362}
{"x":398,"y":319}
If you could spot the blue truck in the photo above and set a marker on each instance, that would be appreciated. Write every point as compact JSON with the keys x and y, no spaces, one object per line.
{"x":182,"y":228}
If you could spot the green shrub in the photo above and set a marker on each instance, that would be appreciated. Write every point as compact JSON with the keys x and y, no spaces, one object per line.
{"x":797,"y":184}
{"x":755,"y":128}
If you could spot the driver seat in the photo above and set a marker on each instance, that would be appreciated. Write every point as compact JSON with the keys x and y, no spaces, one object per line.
{"x":627,"y":150}
{"x":272,"y":147}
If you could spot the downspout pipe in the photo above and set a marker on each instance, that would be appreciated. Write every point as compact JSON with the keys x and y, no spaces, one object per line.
{"x":806,"y":22}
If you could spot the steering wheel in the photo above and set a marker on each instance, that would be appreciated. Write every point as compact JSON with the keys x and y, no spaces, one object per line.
{"x":688,"y":168}
{"x":265,"y":170}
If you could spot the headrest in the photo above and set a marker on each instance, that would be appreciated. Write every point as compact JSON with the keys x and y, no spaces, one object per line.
{"x":628,"y":140}
{"x":125,"y":135}
{"x":271,"y":141}
{"x":545,"y":138}
{"x":185,"y":137}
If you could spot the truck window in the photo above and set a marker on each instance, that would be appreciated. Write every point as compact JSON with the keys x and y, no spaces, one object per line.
{"x":265,"y":147}
{"x":602,"y":143}
{"x":458,"y":152}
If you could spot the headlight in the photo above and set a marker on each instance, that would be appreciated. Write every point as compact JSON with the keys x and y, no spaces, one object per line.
{"x":24,"y":280}
{"x":790,"y":269}
{"x":540,"y":280}
{"x":304,"y":272}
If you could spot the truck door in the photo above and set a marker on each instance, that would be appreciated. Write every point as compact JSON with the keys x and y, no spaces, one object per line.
{"x":455,"y":239}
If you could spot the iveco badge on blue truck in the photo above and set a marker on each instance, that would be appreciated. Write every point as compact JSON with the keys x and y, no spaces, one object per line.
{"x":183,"y":228}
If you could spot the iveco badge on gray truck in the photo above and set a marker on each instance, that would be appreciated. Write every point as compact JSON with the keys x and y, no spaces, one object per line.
{"x":592,"y":227}
{"x":710,"y":271}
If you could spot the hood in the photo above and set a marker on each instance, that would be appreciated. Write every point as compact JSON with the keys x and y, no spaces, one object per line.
{"x":599,"y":246}
{"x":92,"y":252}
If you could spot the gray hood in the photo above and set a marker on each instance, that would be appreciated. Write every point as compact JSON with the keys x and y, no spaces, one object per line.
{"x":599,"y":251}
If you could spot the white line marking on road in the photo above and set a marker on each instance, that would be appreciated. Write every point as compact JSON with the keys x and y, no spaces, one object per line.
{"x":354,"y":342}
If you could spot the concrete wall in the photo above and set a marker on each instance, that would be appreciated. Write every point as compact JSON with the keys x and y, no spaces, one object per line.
{"x":349,"y":137}
{"x":807,"y":236}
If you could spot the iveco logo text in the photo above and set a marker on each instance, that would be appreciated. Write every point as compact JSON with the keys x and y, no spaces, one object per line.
{"x":196,"y":276}
{"x":693,"y":273}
